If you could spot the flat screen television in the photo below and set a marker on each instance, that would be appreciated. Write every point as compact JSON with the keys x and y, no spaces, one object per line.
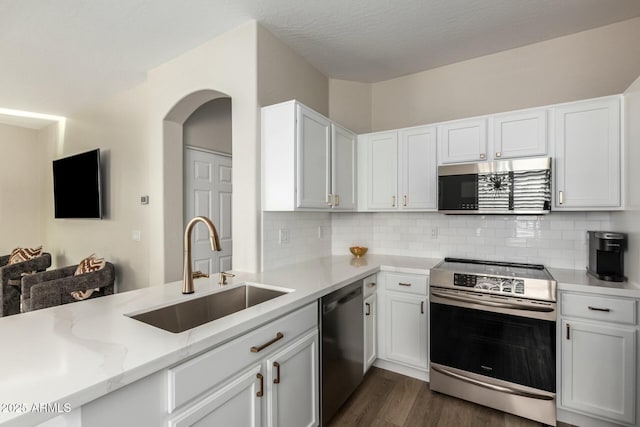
{"x":77,"y":189}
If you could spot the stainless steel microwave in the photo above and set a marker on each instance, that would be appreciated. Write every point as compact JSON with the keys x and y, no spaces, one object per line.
{"x":518,"y":186}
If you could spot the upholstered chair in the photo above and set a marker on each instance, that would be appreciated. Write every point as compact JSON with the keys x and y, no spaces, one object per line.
{"x":10,"y":278}
{"x":54,"y":287}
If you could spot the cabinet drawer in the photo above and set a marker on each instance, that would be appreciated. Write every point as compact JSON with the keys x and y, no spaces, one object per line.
{"x":190,"y":379}
{"x":402,"y":282}
{"x":599,"y":308}
{"x":369,"y":286}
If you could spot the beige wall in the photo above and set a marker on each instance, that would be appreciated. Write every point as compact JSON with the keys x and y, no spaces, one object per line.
{"x":629,"y":220}
{"x":283,"y":75}
{"x":592,"y":63}
{"x":350,"y":104}
{"x":118,"y":126}
{"x":209,"y":127}
{"x":21,"y":171}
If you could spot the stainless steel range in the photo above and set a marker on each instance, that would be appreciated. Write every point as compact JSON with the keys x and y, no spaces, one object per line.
{"x":493,"y":335}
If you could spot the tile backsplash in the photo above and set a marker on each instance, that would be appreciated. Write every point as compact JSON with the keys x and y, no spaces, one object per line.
{"x":309,"y":237}
{"x":555,"y":240}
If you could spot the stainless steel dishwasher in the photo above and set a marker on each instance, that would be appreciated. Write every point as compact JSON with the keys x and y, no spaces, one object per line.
{"x":341,"y":347}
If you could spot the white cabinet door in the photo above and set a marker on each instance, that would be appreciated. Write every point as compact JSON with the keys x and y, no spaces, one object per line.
{"x":521,"y":134}
{"x":237,"y":403}
{"x":343,"y":166}
{"x":314,"y":159}
{"x":370,"y":338}
{"x":382,"y":171}
{"x":418,"y":168}
{"x":406,"y":329}
{"x":587,"y":155}
{"x":463,"y":141}
{"x":598,"y":370}
{"x":292,"y":376}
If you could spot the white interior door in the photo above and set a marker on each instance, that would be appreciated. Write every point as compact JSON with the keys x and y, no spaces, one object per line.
{"x":208,"y":193}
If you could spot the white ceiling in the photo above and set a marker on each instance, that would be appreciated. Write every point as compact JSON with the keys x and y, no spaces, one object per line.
{"x":59,"y":56}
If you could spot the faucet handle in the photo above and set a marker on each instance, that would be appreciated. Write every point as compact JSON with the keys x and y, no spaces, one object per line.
{"x":223,"y":277}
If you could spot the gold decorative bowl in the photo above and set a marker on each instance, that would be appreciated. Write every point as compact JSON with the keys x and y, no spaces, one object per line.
{"x":358,"y":251}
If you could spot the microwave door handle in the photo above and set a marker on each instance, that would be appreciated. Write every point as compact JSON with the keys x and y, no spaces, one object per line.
{"x":512,"y":305}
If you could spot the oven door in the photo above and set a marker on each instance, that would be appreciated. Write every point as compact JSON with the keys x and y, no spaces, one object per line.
{"x":458,"y":192}
{"x":509,"y":339}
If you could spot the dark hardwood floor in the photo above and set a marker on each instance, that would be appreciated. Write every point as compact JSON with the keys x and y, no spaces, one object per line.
{"x":387,"y":399}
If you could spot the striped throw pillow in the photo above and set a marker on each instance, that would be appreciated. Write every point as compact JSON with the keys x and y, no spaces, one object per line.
{"x":87,"y":265}
{"x":24,"y":254}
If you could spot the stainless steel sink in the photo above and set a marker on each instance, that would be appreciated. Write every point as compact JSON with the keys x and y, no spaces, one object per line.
{"x":189,"y":314}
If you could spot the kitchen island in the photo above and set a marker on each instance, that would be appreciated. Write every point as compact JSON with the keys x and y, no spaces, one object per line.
{"x":61,"y":358}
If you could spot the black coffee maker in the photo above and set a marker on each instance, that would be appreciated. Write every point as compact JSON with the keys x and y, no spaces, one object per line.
{"x":606,"y":258}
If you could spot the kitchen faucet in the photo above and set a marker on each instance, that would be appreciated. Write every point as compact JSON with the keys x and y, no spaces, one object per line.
{"x":187,"y":281}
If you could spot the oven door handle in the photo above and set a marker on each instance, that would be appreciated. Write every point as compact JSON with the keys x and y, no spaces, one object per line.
{"x":512,"y":305}
{"x":495,"y":387}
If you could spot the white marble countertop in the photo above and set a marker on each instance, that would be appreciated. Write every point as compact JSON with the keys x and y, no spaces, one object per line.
{"x":78,"y":352}
{"x":580,"y":281}
{"x":75,"y":353}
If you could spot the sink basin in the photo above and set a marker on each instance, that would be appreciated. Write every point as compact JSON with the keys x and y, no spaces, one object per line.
{"x":189,"y":314}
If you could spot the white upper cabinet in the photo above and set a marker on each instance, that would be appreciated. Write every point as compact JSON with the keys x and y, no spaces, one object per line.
{"x":381,"y":170}
{"x":308,"y":162}
{"x":343,"y":161}
{"x":463,"y":141}
{"x":519,"y":134}
{"x":313,"y":145}
{"x":418,"y":168}
{"x":399,"y":170}
{"x":587,"y":174}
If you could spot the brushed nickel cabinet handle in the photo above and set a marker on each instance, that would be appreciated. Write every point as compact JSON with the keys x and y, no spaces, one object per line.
{"x":560,"y":197}
{"x":368,"y":313}
{"x":371,"y":285}
{"x":336,"y":199}
{"x":498,"y":154}
{"x":256,"y":349}
{"x":393,"y":201}
{"x":404,"y":284}
{"x":421,"y":307}
{"x":261,"y":391}
{"x":276,"y":380}
{"x":482,"y":155}
{"x":330,"y":199}
{"x":599,"y":309}
{"x":568,"y":331}
{"x":404,"y":200}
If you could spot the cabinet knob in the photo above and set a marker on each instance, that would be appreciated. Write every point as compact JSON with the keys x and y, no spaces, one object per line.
{"x":482,"y":155}
{"x":498,"y":154}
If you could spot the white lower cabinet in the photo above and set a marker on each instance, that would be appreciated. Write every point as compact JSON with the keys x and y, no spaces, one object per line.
{"x":370,"y":338}
{"x":598,"y":357}
{"x":237,"y":403}
{"x":292,"y":384}
{"x":277,"y":388}
{"x":406,"y":329}
{"x":402,"y":323}
{"x":266,"y":377}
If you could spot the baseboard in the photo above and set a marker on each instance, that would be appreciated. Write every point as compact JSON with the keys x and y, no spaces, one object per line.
{"x":576,"y":419}
{"x":419,"y":374}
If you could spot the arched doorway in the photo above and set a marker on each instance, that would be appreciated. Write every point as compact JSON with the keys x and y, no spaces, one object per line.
{"x":173,"y":178}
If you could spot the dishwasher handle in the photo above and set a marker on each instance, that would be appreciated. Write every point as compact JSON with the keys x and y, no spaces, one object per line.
{"x":329,"y":306}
